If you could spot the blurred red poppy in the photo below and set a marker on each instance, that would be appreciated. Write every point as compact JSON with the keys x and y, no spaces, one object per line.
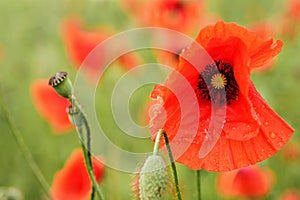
{"x":180,"y":15}
{"x":252,"y":131}
{"x":79,"y":43}
{"x":73,"y":182}
{"x":251,"y":181}
{"x":51,"y":105}
{"x":290,"y":194}
{"x":291,"y":19}
{"x":291,"y":152}
{"x":294,"y":9}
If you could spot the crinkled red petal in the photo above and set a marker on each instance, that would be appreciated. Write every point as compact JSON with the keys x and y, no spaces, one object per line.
{"x":260,"y":51}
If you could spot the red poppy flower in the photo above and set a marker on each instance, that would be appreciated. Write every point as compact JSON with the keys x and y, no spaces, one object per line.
{"x":291,"y":19}
{"x":80,"y":43}
{"x":51,"y":105}
{"x":251,"y":132}
{"x":179,"y":15}
{"x":294,"y":9}
{"x":73,"y":182}
{"x":245,"y":182}
{"x":291,"y":152}
{"x":290,"y":194}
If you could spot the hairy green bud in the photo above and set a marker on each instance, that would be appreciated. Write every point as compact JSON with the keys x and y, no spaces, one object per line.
{"x":153,"y":178}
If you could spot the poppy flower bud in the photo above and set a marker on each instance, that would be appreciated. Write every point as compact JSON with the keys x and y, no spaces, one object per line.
{"x":153,"y":178}
{"x":75,"y":116}
{"x":10,"y":193}
{"x":62,"y":84}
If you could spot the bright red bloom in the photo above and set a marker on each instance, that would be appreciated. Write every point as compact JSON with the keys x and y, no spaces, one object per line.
{"x":51,"y":105}
{"x":251,"y":131}
{"x":245,"y":182}
{"x":73,"y":181}
{"x":179,"y":15}
{"x":80,"y":43}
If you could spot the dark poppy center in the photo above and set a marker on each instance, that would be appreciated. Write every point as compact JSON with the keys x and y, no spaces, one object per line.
{"x":175,"y":9}
{"x":217,"y":83}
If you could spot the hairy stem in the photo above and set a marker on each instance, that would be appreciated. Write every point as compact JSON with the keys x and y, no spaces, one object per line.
{"x":157,"y":141}
{"x":87,"y":149}
{"x":172,"y":165}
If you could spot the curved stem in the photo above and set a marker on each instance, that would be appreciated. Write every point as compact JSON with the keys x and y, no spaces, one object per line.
{"x":23,"y":147}
{"x":86,"y":149}
{"x":156,"y":144}
{"x":172,"y":165}
{"x":198,"y":175}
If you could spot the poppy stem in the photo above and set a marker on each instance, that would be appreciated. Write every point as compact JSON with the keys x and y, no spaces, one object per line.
{"x":172,"y":164}
{"x":86,"y":149}
{"x":23,"y":147}
{"x":156,"y":144}
{"x":198,"y":175}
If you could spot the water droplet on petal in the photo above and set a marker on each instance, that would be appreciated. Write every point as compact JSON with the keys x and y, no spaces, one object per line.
{"x":266,"y":123}
{"x":272,"y":135}
{"x":280,"y":144}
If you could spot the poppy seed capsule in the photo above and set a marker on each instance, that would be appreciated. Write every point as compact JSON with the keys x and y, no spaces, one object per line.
{"x":62,"y":84}
{"x":153,"y":178}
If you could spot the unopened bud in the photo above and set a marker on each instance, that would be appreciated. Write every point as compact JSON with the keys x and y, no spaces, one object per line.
{"x":62,"y":84}
{"x":153,"y":178}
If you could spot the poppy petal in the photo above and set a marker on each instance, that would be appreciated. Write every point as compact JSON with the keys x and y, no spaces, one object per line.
{"x":73,"y":182}
{"x":241,"y":120}
{"x":276,"y":131}
{"x":51,"y":105}
{"x":261,"y":51}
{"x":82,"y":44}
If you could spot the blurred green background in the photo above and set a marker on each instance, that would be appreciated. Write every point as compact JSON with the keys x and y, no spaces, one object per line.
{"x":33,"y":49}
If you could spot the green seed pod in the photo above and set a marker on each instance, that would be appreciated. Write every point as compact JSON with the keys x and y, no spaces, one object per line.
{"x":62,"y":84}
{"x":153,"y":178}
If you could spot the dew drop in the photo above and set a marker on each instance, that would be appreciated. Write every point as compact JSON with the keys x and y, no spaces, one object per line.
{"x":280,"y":144}
{"x":272,"y":135}
{"x":266,"y":123}
{"x":263,"y":106}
